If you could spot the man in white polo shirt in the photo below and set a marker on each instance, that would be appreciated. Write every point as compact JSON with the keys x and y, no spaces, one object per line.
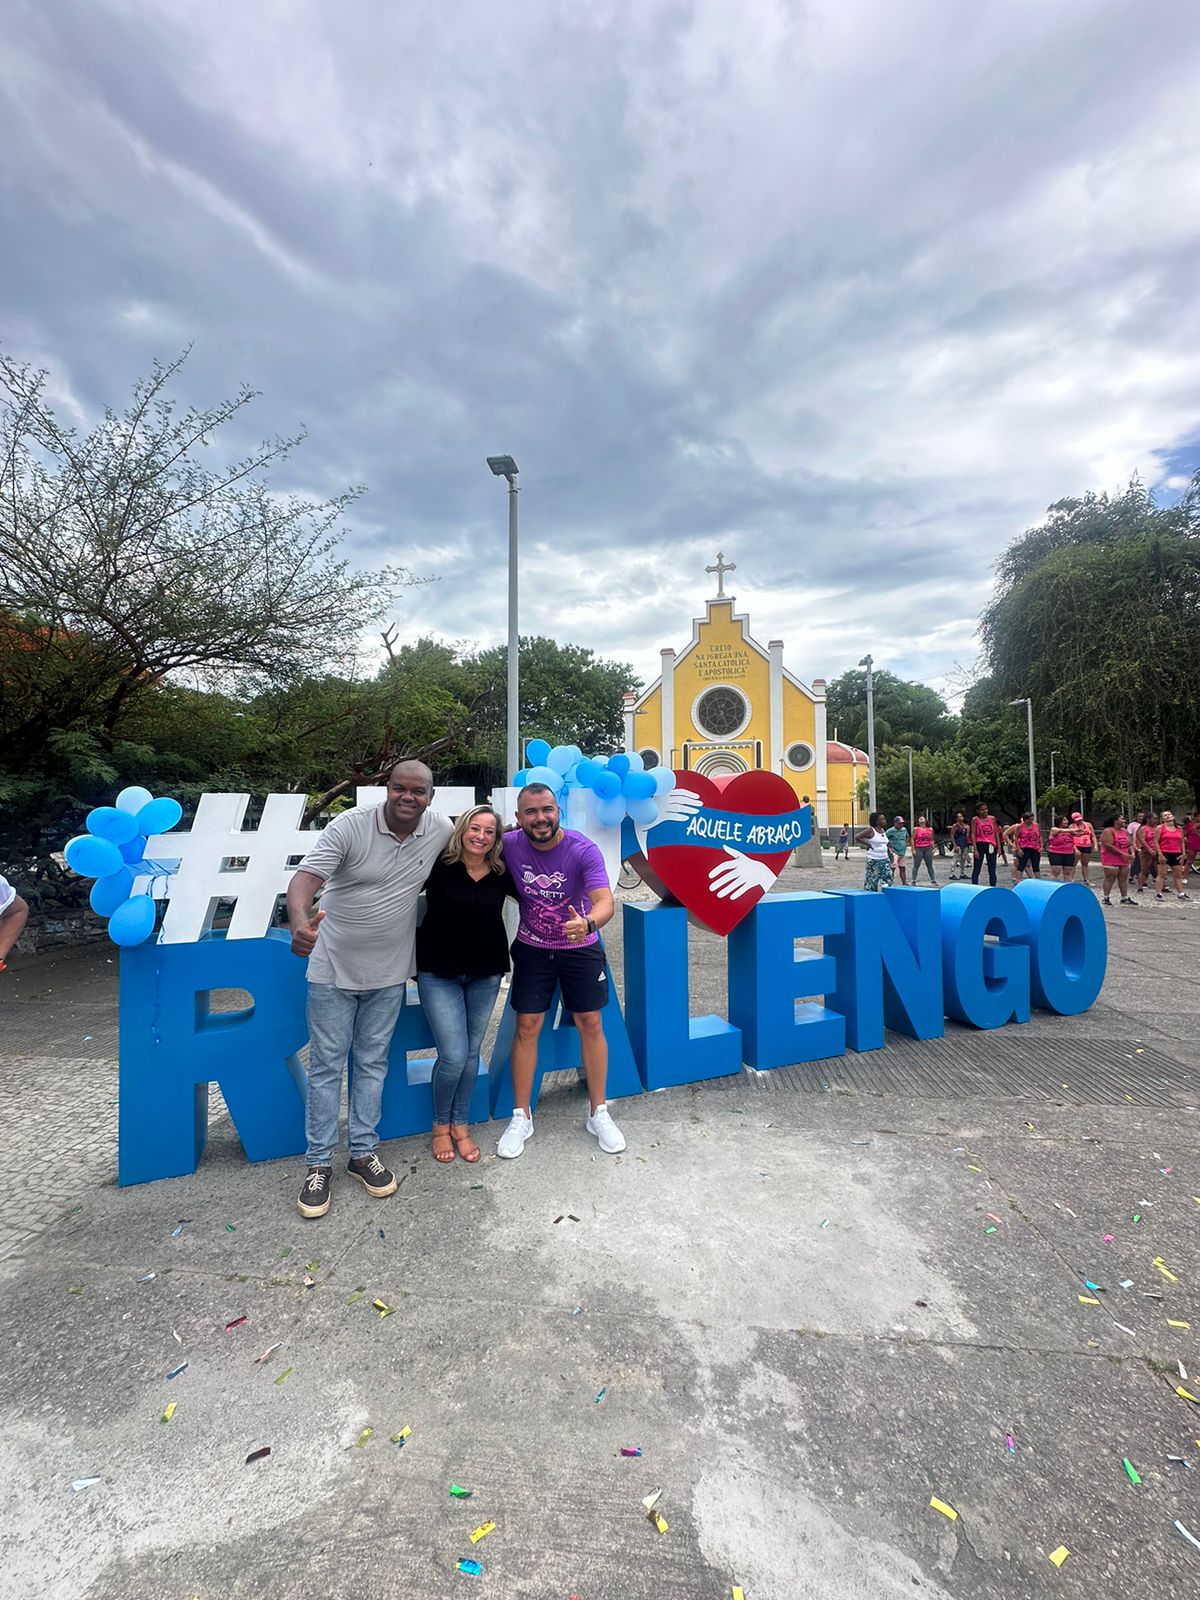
{"x":372,"y":863}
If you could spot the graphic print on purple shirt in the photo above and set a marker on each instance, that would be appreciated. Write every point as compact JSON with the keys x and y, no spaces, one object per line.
{"x":549,"y":882}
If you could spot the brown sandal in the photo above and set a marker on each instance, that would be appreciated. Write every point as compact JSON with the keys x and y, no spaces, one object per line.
{"x":443,"y":1150}
{"x":471,"y":1153}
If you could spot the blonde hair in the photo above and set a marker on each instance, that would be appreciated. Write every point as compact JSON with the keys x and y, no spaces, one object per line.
{"x":454,"y":846}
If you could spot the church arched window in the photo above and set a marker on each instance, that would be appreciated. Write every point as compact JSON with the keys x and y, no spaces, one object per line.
{"x":721,"y":712}
{"x":800,"y":756}
{"x":649,"y":758}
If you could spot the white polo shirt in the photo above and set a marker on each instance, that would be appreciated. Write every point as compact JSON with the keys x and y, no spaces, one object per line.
{"x":373,"y":882}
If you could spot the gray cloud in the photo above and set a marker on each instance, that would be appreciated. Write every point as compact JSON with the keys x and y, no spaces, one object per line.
{"x":851,"y":291}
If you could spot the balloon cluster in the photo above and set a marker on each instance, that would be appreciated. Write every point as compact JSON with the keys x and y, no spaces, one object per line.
{"x":113,"y":852}
{"x":621,"y":784}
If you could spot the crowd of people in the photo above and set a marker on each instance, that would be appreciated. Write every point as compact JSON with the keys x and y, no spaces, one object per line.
{"x":1151,"y":852}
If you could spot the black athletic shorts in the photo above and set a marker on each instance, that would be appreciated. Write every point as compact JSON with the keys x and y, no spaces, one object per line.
{"x":1172,"y":857}
{"x":1030,"y":859}
{"x":1062,"y":858}
{"x":579,"y":975}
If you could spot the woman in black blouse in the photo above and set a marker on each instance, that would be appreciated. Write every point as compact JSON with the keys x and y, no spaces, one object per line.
{"x":462,"y":953}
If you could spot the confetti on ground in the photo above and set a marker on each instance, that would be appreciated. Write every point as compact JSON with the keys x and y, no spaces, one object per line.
{"x":169,"y":1412}
{"x":285,"y":1375}
{"x":477,"y":1186}
{"x":1169,"y":1276}
{"x":399,"y":1438}
{"x":482,"y":1531}
{"x":1094,"y":1287}
{"x":174,"y":1373}
{"x":1060,"y":1555}
{"x":1127,"y":1283}
{"x":312,"y":1266}
{"x":363,"y":1437}
{"x":353,"y":1299}
{"x":176,"y":1231}
{"x":85,"y":1483}
{"x":631,"y":1450}
{"x":989,"y":1230}
{"x":147,"y":1277}
{"x":737,"y":1593}
{"x":1182,"y":1460}
{"x":175,"y":1336}
{"x":238,"y":1322}
{"x":1008,"y":1439}
{"x":269,"y":1352}
{"x":970,"y":1168}
{"x":259,"y":1455}
{"x":947,"y":1511}
{"x":1173,"y":1324}
{"x":824,"y":1222}
{"x":1182,"y":1370}
{"x":1131,"y":1472}
{"x":1087,"y":1300}
{"x":473,"y":1568}
{"x":381,"y":1233}
{"x":1124,"y":1329}
{"x":286,"y":1252}
{"x":229,"y":1228}
{"x":652,"y":1500}
{"x":557,"y":1220}
{"x":459,"y":1493}
{"x":383,"y":1308}
{"x":600,"y":1395}
{"x":659,"y":1521}
{"x":1186,"y":1394}
{"x":1190,"y":1537}
{"x":1108,"y":1238}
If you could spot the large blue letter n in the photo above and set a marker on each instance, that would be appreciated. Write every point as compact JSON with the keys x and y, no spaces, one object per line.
{"x":768,"y":974}
{"x":173,"y":1046}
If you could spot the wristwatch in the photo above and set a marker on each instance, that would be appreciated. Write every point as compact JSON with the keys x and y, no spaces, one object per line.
{"x":591,"y":926}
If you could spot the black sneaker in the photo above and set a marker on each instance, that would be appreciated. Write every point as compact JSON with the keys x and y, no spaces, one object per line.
{"x":316,"y":1193}
{"x":1128,"y":902}
{"x":373,"y":1175}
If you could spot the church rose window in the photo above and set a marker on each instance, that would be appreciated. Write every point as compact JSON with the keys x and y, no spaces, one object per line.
{"x":649,"y":758}
{"x":721,"y":712}
{"x":800,"y":756}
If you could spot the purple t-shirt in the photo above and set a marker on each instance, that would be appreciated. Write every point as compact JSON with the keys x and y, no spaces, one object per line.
{"x":549,"y":881}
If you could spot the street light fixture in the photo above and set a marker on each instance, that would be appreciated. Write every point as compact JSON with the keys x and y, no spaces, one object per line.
{"x":912,"y":809}
{"x":506,"y":467}
{"x":1028,"y":704}
{"x":869,"y":664}
{"x":1053,"y":753}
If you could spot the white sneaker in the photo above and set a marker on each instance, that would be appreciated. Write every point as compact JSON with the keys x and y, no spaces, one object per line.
{"x":512,"y":1140}
{"x":612,"y":1140}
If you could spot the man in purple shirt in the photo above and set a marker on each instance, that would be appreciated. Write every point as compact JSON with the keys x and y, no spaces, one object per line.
{"x":565,"y":898}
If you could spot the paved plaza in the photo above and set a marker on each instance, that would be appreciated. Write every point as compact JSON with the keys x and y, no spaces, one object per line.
{"x":813,"y":1299}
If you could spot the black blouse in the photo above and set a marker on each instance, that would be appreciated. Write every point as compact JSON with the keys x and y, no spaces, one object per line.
{"x":463,"y":933}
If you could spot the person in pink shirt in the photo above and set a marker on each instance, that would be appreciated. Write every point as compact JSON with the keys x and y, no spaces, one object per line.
{"x":1147,"y":847}
{"x":1169,"y":839}
{"x":922,"y":847}
{"x":1061,"y":845}
{"x":1191,"y":842}
{"x":1085,"y":843}
{"x":985,"y":836}
{"x":1025,"y":840}
{"x":1116,"y":852}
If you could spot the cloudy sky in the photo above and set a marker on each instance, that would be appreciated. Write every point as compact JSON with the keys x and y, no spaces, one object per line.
{"x":851,"y":289}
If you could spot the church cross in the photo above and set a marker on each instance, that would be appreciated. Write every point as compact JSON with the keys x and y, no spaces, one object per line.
{"x":721,"y":568}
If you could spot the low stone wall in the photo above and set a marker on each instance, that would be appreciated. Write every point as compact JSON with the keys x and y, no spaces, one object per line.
{"x":54,"y":929}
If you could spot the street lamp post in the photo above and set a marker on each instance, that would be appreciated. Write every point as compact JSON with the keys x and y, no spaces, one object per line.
{"x":506,"y":467}
{"x":869,"y":664}
{"x":912,"y":809}
{"x":1028,"y":704}
{"x":1053,"y":753}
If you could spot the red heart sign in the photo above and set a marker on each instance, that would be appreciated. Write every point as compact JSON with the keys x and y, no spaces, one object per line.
{"x":685,"y":870}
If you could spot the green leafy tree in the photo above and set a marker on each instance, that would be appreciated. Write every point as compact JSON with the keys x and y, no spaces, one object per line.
{"x":905,"y":712}
{"x":944,"y":781}
{"x":1097,"y":618}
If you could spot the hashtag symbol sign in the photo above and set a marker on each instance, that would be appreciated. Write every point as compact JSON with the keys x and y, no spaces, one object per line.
{"x":219,"y":859}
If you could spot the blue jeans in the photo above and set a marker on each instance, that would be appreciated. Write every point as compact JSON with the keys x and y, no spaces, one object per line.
{"x":341,"y":1020}
{"x":458,"y":1010}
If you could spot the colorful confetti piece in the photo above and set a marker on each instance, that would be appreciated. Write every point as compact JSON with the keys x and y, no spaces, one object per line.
{"x":363,"y":1437}
{"x":169,"y":1412}
{"x":482,"y":1531}
{"x":1060,"y":1555}
{"x":459,"y":1493}
{"x":473,"y":1568}
{"x":238,"y":1322}
{"x":947,"y":1511}
{"x":175,"y":1371}
{"x":285,"y":1375}
{"x":259,"y":1455}
{"x":1131,"y":1472}
{"x":85,"y":1483}
{"x":269,"y":1352}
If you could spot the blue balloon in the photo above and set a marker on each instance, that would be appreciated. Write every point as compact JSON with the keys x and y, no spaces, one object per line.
{"x":619,"y":764}
{"x":561,"y":758}
{"x":664,"y":780}
{"x":537,"y":751}
{"x":607,"y":785}
{"x":638,"y":786}
{"x":109,"y":893}
{"x":585,"y":772}
{"x":636,"y":764}
{"x":133,"y":922}
{"x":134,"y":851}
{"x":610,"y":812}
{"x":547,"y":775}
{"x":106,"y":822}
{"x":160,"y":816}
{"x":644,"y":812}
{"x":520,"y":779}
{"x":133,"y":799}
{"x":576,"y":753}
{"x":91,"y":857}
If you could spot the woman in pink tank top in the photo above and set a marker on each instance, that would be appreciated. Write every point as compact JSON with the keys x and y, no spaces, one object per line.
{"x":985,"y":836}
{"x":1085,"y":843}
{"x":1147,"y":851}
{"x":1025,"y":840}
{"x":1169,"y":839}
{"x":922,"y":847}
{"x":1062,"y":850}
{"x":1116,"y":852}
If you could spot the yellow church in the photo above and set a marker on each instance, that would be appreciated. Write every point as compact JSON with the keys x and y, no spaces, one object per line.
{"x":724,"y":704}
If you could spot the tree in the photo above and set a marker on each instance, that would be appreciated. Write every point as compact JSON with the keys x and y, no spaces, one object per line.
{"x":1097,"y":618}
{"x":569,"y":695}
{"x":125,"y":561}
{"x":944,"y":781}
{"x":905,"y":712}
